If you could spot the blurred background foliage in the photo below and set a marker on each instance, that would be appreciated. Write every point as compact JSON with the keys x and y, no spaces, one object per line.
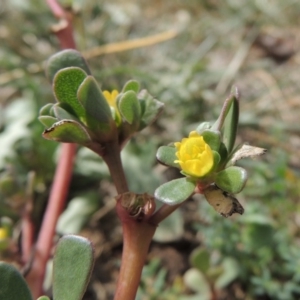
{"x":196,"y":254}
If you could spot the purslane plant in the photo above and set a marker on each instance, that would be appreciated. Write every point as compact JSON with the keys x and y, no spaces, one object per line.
{"x":104,"y":122}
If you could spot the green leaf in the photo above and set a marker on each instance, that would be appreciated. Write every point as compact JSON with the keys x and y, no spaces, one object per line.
{"x":12,"y":284}
{"x":231,"y":122}
{"x":94,"y":103}
{"x":257,"y":236}
{"x":230,"y":272}
{"x":47,"y":121}
{"x":73,"y":264}
{"x":62,"y":114}
{"x":203,"y":126}
{"x":64,"y":59}
{"x":228,"y":119}
{"x":129,"y":107}
{"x":232,"y":179}
{"x":223,"y":153}
{"x":217,"y":159}
{"x":131,"y":85}
{"x":46,"y":110}
{"x":66,"y":83}
{"x":200,"y":259}
{"x":197,"y":282}
{"x":150,"y":107}
{"x":67,"y":131}
{"x":212,"y":138}
{"x":166,"y":155}
{"x":175,"y":191}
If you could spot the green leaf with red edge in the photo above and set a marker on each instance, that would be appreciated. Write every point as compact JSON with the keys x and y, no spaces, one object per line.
{"x":175,"y":191}
{"x":64,"y":59}
{"x":12,"y":284}
{"x":67,"y":131}
{"x":166,"y":155}
{"x":66,"y":83}
{"x":72,"y":267}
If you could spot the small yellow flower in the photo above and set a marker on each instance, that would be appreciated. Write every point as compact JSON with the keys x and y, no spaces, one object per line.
{"x":111,"y":100}
{"x":194,"y":156}
{"x":3,"y":233}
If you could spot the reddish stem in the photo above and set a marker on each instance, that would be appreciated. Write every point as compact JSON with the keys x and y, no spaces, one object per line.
{"x":27,"y":233}
{"x":137,"y":238}
{"x":61,"y":179}
{"x":55,"y":206}
{"x":56,"y":9}
{"x":163,"y":212}
{"x":64,"y":29}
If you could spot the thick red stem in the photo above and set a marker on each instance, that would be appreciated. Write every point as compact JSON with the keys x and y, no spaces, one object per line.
{"x":137,"y":238}
{"x":61,"y":179}
{"x":55,"y":206}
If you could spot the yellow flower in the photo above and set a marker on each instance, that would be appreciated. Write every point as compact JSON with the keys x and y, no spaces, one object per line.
{"x":194,"y":156}
{"x":3,"y":233}
{"x":111,"y":100}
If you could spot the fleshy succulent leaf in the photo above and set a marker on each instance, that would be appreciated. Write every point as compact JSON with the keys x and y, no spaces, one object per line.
{"x":150,"y":107}
{"x":64,"y":59}
{"x":203,"y":126}
{"x":231,"y":179}
{"x":67,"y":131}
{"x":200,"y":259}
{"x":47,"y":121}
{"x":65,"y":84}
{"x":73,"y":263}
{"x":12,"y":284}
{"x":166,"y":156}
{"x":129,"y":107}
{"x":175,"y":191}
{"x":231,"y":122}
{"x":223,"y":154}
{"x":217,"y":159}
{"x":197,"y":282}
{"x":98,"y":113}
{"x":212,"y":138}
{"x":46,"y":110}
{"x":62,"y":114}
{"x":131,"y":85}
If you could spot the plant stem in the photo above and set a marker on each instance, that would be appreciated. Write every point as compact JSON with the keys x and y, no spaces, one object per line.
{"x":55,"y":206}
{"x":27,"y":222}
{"x":137,"y":238}
{"x":163,"y":212}
{"x":61,"y":178}
{"x":64,"y":29}
{"x":112,"y":157}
